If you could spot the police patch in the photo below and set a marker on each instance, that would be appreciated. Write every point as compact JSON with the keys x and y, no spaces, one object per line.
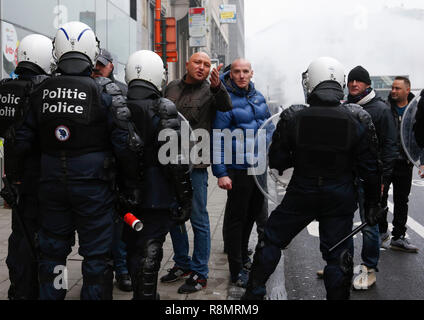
{"x":62,"y":133}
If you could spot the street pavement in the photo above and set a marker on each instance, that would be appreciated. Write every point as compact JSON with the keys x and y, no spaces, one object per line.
{"x":218,"y":287}
{"x":400,"y":276}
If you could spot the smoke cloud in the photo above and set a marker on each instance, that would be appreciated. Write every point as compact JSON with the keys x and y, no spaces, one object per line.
{"x":283,"y":37}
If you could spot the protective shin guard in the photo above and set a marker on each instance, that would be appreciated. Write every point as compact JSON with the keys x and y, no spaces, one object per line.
{"x":338,"y":278}
{"x":145,"y":282}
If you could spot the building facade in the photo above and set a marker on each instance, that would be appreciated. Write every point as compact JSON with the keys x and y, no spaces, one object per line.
{"x":236,"y":32}
{"x":121,"y":26}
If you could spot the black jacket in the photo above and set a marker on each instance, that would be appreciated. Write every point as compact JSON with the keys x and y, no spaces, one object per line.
{"x":157,"y":191}
{"x":398,"y":119}
{"x":385,"y":128}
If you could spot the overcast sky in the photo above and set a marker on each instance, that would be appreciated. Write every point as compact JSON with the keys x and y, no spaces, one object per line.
{"x":284,"y":36}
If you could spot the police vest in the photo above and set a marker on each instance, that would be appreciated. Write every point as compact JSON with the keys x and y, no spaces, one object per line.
{"x":13,"y":95}
{"x":72,"y":120}
{"x":324,"y":139}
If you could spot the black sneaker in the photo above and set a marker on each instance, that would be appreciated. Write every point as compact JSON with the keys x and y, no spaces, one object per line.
{"x":194,"y":283}
{"x":124,"y":282}
{"x":174,"y":274}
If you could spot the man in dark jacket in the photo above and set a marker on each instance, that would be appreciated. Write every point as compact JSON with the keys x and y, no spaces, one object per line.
{"x":197,"y":100}
{"x":245,"y":201}
{"x":360,"y":92}
{"x":398,"y":100}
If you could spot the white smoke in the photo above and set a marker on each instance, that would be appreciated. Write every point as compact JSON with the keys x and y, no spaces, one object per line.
{"x":283,"y":37}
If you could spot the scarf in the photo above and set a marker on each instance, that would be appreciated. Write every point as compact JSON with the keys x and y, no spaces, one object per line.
{"x":362,"y":98}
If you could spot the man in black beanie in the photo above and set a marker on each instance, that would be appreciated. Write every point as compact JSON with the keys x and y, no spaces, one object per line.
{"x":361,"y":92}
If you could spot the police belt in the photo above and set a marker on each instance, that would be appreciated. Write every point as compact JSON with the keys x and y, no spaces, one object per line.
{"x":321,"y":180}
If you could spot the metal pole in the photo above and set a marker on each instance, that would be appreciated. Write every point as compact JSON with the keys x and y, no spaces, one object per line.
{"x":164,"y":57}
{"x":158,"y":9}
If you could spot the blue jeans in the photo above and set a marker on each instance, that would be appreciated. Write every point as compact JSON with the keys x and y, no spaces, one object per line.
{"x":119,"y":249}
{"x":371,"y":236}
{"x":200,"y":223}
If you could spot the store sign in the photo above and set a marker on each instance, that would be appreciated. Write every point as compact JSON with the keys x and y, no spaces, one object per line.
{"x":228,"y":13}
{"x":9,"y":41}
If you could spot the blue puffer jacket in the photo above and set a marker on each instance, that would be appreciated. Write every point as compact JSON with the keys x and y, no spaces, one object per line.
{"x":249,"y":112}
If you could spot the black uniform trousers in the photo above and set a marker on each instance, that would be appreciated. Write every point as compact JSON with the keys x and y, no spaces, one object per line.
{"x":22,"y":265}
{"x":88,"y":208}
{"x":333,"y":204}
{"x":401,"y":180}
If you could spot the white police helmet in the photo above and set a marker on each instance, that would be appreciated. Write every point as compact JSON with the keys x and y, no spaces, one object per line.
{"x":75,"y":36}
{"x":37,"y":49}
{"x":320,"y":70}
{"x":146,"y":65}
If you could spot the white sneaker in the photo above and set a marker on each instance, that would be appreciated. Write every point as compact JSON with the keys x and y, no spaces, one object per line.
{"x":365,"y":279}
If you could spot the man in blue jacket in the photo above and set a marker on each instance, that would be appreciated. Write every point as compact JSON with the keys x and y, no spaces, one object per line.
{"x":245,"y":200}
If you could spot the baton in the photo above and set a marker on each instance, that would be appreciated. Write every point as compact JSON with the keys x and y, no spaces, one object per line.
{"x":355,"y":231}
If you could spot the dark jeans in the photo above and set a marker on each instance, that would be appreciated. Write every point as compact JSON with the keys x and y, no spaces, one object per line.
{"x":244,"y":204}
{"x":401,"y":180}
{"x":23,"y":269}
{"x":333,"y":205}
{"x":370,"y":235}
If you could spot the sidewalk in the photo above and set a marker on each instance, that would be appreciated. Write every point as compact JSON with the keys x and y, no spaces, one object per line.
{"x":218,"y":282}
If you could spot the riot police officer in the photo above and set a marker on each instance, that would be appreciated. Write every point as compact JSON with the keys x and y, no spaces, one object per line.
{"x":71,"y":119}
{"x":164,"y":188}
{"x":34,"y":62}
{"x":325,"y":143}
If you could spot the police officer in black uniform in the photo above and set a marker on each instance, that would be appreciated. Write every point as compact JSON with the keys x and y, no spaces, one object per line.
{"x":34,"y":62}
{"x":165,"y":189}
{"x":71,"y":118}
{"x":325,"y":143}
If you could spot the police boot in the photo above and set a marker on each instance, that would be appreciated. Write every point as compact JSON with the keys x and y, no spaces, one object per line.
{"x":265,"y":260}
{"x":145,"y":282}
{"x":338,"y":288}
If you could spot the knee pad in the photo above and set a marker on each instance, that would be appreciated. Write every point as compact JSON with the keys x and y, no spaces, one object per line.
{"x":338,"y":277}
{"x":153,"y":255}
{"x":145,"y":282}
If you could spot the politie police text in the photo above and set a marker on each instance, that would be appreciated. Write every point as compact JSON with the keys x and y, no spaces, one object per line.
{"x":60,"y":106}
{"x":10,"y":99}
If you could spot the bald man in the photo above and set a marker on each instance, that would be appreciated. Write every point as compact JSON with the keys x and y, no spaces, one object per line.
{"x":198,"y":100}
{"x":245,"y":202}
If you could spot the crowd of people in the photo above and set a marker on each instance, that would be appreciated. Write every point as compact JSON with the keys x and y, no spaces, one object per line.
{"x":82,"y":152}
